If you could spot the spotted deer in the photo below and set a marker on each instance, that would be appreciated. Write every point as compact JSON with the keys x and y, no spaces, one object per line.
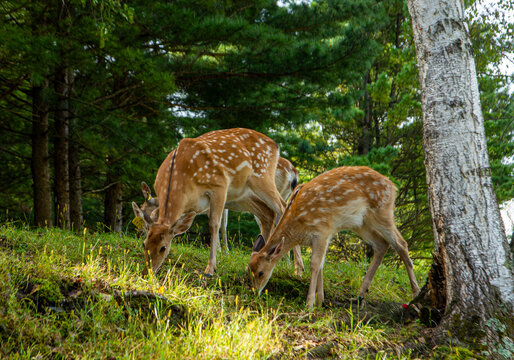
{"x":356,"y":198}
{"x":148,"y":212}
{"x":233,"y":168}
{"x":286,"y":179}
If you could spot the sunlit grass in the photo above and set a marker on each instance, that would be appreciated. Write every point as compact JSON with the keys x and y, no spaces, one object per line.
{"x":69,"y":296}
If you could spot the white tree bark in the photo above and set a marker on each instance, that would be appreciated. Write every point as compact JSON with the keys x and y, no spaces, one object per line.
{"x":468,"y":231}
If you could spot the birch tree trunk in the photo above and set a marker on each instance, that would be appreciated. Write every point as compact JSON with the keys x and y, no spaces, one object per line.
{"x":472,"y":277}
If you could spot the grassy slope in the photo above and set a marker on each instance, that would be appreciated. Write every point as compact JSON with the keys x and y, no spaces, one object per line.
{"x":68,"y":296}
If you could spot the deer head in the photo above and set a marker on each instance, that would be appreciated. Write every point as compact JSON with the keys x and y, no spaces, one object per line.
{"x":158,"y":240}
{"x":262,"y":264}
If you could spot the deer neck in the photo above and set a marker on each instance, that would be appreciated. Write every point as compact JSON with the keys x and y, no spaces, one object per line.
{"x":287,"y":233}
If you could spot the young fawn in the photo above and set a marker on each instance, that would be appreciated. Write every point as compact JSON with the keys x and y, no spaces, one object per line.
{"x":356,"y":198}
{"x":233,"y":168}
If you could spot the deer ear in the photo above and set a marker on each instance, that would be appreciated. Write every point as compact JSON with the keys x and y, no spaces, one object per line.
{"x":147,"y":193}
{"x":275,"y":250}
{"x":183,"y":224}
{"x":142,"y":214}
{"x":137,"y":210}
{"x":259,"y":243}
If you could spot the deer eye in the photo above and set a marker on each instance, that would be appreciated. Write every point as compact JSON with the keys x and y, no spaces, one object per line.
{"x":163,"y":249}
{"x":261,"y":273}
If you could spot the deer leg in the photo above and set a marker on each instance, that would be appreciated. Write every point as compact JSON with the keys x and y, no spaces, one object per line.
{"x":390,"y":233}
{"x":402,"y":250}
{"x":268,"y":193}
{"x":320,"y":295}
{"x":380,"y":247}
{"x":319,"y":248}
{"x":298,"y":262}
{"x":311,"y":294}
{"x":263,"y":215}
{"x":217,"y":203}
{"x":224,"y":222}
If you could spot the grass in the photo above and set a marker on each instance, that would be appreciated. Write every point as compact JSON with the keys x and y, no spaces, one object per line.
{"x":82,"y":297}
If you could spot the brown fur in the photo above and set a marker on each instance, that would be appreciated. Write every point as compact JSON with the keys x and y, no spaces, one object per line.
{"x":234,"y":167}
{"x":285,"y":176}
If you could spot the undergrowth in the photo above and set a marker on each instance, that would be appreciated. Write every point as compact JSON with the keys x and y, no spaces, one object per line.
{"x":64,"y":295}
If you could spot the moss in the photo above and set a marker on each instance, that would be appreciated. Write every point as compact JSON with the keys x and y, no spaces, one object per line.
{"x":454,"y":353}
{"x":46,"y":292}
{"x":466,"y":329}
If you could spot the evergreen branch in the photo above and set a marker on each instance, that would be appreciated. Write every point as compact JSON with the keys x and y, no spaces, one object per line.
{"x":230,"y":74}
{"x":10,"y":13}
{"x":116,"y":93}
{"x":230,"y":108}
{"x":19,"y":114}
{"x":10,"y":152}
{"x":241,"y":9}
{"x":100,"y":190}
{"x":15,"y":131}
{"x":14,"y":86}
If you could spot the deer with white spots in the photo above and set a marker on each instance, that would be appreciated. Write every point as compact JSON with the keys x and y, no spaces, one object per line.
{"x":286,"y":179}
{"x":355,"y":198}
{"x":233,"y":168}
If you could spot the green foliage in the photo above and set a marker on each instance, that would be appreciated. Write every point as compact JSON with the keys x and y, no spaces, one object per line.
{"x":379,"y":159}
{"x":147,"y":74}
{"x":333,"y":82}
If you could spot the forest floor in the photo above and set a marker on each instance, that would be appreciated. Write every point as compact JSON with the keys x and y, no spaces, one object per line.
{"x":67,"y":296}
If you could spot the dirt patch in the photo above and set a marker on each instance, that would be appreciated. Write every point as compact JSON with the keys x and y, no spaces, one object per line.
{"x":47,"y":295}
{"x":375,"y":312}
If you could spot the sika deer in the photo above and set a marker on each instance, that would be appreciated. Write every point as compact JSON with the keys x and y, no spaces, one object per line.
{"x":286,"y":179}
{"x":147,"y":213}
{"x":356,"y":198}
{"x":232,"y":168}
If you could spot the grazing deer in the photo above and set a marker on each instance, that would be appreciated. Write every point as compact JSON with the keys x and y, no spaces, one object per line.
{"x":286,"y":179}
{"x":148,"y":212}
{"x":356,"y":198}
{"x":233,"y":168}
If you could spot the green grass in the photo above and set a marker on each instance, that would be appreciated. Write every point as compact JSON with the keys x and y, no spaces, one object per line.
{"x":69,"y":296}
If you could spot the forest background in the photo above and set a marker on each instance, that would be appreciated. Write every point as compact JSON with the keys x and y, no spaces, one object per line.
{"x":95,"y":93}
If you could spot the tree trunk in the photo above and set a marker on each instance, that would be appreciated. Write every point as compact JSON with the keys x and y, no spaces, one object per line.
{"x":75,"y":181}
{"x":62,"y":85}
{"x":365,"y":142}
{"x":40,"y":162}
{"x":61,"y":167}
{"x":113,"y":199}
{"x":472,"y":276}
